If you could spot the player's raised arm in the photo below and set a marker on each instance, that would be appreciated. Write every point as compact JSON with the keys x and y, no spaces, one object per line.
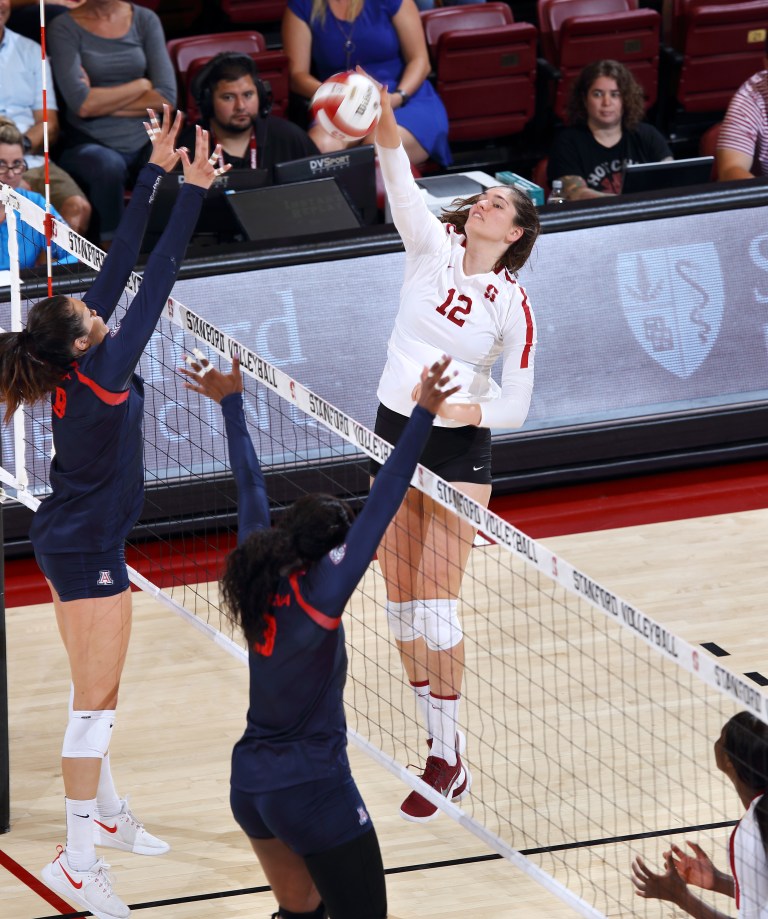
{"x":227,"y":389}
{"x":123,"y":350}
{"x":109,"y":285}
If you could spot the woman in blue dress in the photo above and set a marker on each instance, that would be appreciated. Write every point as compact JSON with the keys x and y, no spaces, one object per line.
{"x":386,"y":39}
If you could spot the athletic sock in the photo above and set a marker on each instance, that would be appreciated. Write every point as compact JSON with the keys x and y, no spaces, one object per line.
{"x":108,"y":800}
{"x":444,"y":718}
{"x":421,"y":691}
{"x":81,"y":853}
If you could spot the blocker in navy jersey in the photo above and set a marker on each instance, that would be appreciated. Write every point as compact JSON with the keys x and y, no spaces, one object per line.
{"x":296,"y":729}
{"x":292,"y":791}
{"x":97,"y":474}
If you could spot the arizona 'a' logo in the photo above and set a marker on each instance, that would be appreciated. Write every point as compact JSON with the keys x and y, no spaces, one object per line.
{"x":105,"y":578}
{"x":673,"y":301}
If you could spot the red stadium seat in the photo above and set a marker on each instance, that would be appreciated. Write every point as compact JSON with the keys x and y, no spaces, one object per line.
{"x":188,"y":55}
{"x":185,"y":50}
{"x":575,"y":33}
{"x":717,"y":47}
{"x":485,"y":69}
{"x":253,"y":12}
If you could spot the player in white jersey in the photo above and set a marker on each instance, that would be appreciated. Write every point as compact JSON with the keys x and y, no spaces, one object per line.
{"x":741,"y":752}
{"x":460,"y":297}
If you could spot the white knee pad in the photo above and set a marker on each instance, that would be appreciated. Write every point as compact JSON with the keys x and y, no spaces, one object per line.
{"x":442,"y":629}
{"x":404,"y":621}
{"x":88,"y":734}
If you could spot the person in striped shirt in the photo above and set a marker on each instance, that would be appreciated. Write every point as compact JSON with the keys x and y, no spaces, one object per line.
{"x":742,"y":144}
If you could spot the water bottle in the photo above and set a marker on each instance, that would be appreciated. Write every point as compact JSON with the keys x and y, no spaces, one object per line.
{"x":556,"y":194}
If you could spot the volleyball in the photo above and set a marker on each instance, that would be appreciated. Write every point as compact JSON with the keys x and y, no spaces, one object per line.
{"x":347,"y":105}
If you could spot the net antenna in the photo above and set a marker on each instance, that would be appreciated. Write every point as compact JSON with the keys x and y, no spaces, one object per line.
{"x":48,"y":225}
{"x":589,"y":723}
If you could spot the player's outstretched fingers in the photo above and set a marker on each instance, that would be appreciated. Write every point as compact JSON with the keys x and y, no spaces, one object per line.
{"x":199,"y":171}
{"x":163,"y":137}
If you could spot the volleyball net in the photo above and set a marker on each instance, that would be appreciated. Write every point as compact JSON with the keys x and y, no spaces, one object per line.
{"x":589,"y":724}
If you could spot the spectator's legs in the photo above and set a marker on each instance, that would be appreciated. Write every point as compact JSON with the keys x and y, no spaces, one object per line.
{"x":104,"y":174}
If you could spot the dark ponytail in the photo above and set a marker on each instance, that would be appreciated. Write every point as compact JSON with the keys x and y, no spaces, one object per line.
{"x":306,"y":532}
{"x":34,"y":360}
{"x":746,"y":743}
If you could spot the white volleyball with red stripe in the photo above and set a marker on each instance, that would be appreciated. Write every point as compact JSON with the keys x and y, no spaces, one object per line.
{"x":347,"y":105}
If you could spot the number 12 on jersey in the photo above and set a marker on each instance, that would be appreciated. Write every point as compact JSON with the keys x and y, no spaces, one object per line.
{"x":458,"y":313}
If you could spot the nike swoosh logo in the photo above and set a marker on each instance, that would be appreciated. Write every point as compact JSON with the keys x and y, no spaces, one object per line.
{"x":476,"y":468}
{"x":76,"y":884}
{"x":84,"y":816}
{"x":109,"y":829}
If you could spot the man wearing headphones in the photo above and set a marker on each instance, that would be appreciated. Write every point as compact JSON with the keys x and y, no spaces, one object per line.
{"x":234,"y":106}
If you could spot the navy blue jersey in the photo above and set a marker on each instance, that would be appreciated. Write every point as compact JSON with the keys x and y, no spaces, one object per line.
{"x":296,"y":729}
{"x":97,"y":474}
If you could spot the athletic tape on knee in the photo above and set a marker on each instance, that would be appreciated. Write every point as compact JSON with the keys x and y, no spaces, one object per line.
{"x":403,"y":620}
{"x":88,"y":734}
{"x":442,"y":629}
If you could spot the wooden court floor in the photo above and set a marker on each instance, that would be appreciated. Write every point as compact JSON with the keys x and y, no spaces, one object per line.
{"x":183,"y":705}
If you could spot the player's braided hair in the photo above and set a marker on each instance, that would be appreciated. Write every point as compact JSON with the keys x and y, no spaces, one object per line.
{"x":305,"y":532}
{"x":746,"y":743}
{"x":527,"y":217}
{"x":33,"y":361}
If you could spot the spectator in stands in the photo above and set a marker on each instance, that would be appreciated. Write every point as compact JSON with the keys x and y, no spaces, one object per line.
{"x":384,"y":37}
{"x":742,"y":145}
{"x":25,"y":15}
{"x":21,"y":103}
{"x":111,"y":64}
{"x":235,"y":108}
{"x":605,"y":133}
{"x":12,"y":166}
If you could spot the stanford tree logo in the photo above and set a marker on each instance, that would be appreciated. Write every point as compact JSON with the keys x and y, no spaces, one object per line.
{"x":673,"y":301}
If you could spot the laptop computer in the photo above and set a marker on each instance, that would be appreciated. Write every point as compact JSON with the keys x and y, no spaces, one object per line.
{"x":671,"y":174}
{"x":297,"y":209}
{"x":215,"y":224}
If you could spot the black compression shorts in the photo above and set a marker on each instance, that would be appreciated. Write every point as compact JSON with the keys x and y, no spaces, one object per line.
{"x":455,"y":454}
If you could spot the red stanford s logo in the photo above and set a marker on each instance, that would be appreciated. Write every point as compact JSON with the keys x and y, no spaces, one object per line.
{"x":491,"y":293}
